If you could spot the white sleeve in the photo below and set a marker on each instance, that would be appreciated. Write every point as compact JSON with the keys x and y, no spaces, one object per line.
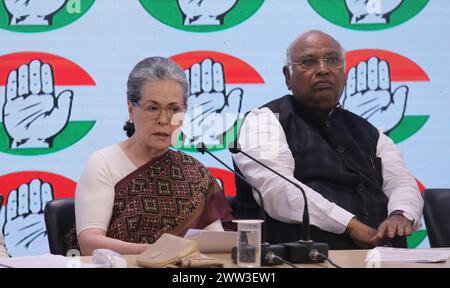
{"x":94,"y":196}
{"x":3,"y":252}
{"x":399,"y":184}
{"x":262,"y":137}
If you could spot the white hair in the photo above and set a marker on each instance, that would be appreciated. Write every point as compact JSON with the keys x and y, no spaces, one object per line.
{"x":154,"y":68}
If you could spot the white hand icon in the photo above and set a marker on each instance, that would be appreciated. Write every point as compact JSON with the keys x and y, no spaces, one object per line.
{"x":24,"y":227}
{"x":211,"y":110}
{"x":371,"y":11}
{"x":33,"y":12}
{"x":32,"y":115}
{"x":205,"y":12}
{"x":368,"y":94}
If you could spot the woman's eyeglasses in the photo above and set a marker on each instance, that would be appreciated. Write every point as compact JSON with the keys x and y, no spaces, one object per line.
{"x":154,"y":111}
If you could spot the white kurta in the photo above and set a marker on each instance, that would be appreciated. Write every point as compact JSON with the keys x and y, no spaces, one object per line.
{"x":262,"y":136}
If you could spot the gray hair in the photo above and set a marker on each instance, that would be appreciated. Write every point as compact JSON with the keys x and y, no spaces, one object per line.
{"x":290,"y":49}
{"x":154,"y":68}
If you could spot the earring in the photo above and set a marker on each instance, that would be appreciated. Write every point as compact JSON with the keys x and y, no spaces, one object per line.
{"x":131,"y":121}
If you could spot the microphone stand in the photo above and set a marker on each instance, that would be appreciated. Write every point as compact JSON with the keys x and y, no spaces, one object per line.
{"x":303,"y":250}
{"x":266,"y":248}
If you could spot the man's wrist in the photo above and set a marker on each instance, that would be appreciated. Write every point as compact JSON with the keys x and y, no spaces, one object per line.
{"x":351,"y":225}
{"x":405,"y":214}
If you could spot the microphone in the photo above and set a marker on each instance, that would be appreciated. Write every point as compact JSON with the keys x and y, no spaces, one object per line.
{"x":299,"y":251}
{"x":266,"y":248}
{"x":201,"y":147}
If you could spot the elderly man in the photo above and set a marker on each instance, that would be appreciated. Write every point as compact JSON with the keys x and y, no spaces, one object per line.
{"x":359,"y":191}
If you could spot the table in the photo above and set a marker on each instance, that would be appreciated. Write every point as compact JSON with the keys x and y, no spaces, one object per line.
{"x":343,"y":258}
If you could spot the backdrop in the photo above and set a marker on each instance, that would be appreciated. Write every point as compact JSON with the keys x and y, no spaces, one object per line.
{"x":71,"y":59}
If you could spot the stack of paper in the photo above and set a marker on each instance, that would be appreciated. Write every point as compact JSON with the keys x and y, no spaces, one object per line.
{"x":213,"y":241}
{"x":167,"y":250}
{"x":44,"y":261}
{"x":385,"y":254}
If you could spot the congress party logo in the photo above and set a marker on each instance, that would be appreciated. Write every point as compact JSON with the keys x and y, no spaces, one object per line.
{"x":202,"y":15}
{"x":379,"y":86}
{"x":23,"y":197}
{"x":226,"y":180}
{"x":219,"y":84}
{"x":39,"y":93}
{"x":368,"y":15}
{"x":40,"y":15}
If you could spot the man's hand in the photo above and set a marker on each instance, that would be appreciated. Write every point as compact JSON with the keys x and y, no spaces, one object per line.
{"x":363,"y":234}
{"x":24,"y":227}
{"x":396,"y":225}
{"x":32,"y":114}
{"x":368,"y":94}
{"x":211,"y":109}
{"x":205,"y":12}
{"x":371,"y":11}
{"x":33,"y":12}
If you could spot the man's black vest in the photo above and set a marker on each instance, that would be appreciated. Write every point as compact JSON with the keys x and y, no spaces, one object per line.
{"x":335,"y":155}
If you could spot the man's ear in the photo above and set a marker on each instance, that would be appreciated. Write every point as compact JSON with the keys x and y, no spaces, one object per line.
{"x":287,"y":76}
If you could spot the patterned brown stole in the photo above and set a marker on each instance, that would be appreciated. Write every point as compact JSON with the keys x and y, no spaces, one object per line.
{"x":170,"y":194}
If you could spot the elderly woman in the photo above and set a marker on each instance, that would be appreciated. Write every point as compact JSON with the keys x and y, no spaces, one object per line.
{"x":132,"y":192}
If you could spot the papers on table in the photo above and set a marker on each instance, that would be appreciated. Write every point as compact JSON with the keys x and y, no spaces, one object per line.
{"x":210,"y":241}
{"x":44,"y":261}
{"x":386,"y":254}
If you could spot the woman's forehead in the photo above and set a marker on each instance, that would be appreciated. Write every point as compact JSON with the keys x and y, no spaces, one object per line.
{"x":162,"y":91}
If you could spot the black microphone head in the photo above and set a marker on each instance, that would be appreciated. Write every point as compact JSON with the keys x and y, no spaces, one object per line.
{"x":201,"y":147}
{"x":234,"y":147}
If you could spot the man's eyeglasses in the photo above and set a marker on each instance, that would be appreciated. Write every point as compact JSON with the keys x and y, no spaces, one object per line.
{"x":154,"y":111}
{"x":335,"y":62}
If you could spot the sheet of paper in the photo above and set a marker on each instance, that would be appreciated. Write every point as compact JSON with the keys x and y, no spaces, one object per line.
{"x":388,"y":254}
{"x":192,"y":232}
{"x":44,"y":261}
{"x":210,"y":241}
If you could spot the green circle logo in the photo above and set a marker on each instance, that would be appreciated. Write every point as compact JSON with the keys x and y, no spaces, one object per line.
{"x":384,"y":104}
{"x":40,"y":16}
{"x":219,"y":83}
{"x":201,"y":15}
{"x":39,"y":90}
{"x":368,"y":15}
